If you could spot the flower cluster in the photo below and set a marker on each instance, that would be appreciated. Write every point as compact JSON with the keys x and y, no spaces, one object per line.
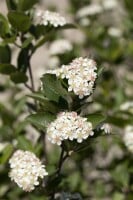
{"x":69,"y":125}
{"x":89,"y":10}
{"x":128,"y":138}
{"x":110,"y":4}
{"x":81,"y":75}
{"x":26,"y":168}
{"x":49,"y":18}
{"x":60,"y":47}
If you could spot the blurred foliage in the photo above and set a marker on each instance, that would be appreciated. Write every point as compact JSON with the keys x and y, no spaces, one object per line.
{"x":99,"y":168}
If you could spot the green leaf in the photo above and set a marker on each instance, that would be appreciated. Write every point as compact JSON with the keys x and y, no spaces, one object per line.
{"x":24,"y":5}
{"x":7,"y":69}
{"x":119,"y":121}
{"x":47,"y":105}
{"x":11,"y":4}
{"x":68,"y":26}
{"x":5,"y":54}
{"x":6,"y":115}
{"x":20,"y":127}
{"x":41,"y":120}
{"x":95,"y":119}
{"x":24,"y":143}
{"x":6,"y":154}
{"x":52,"y":87}
{"x":19,"y":20}
{"x":38,"y":96}
{"x":18,"y":77}
{"x":23,"y":60}
{"x":27,"y":42}
{"x":121,"y":175}
{"x":118,"y":196}
{"x":4,"y":26}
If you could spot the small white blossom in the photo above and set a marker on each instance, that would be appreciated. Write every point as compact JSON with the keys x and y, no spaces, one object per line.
{"x":53,"y":62}
{"x":127,"y":106}
{"x":114,"y":32}
{"x":106,"y":128}
{"x":110,"y":4}
{"x":128,"y":137}
{"x":60,"y":47}
{"x":69,"y":125}
{"x":85,"y":21}
{"x":49,"y":18}
{"x":89,"y":10}
{"x":26,"y":168}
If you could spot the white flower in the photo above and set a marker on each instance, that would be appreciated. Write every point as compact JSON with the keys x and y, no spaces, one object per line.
{"x":49,"y":18}
{"x":110,"y":4}
{"x":60,"y":47}
{"x":89,"y":10}
{"x":128,"y":137}
{"x":127,"y":106}
{"x":114,"y":32}
{"x":54,"y":62}
{"x":26,"y":168}
{"x":69,"y":125}
{"x":107,"y":128}
{"x":81,"y":75}
{"x":85,"y":21}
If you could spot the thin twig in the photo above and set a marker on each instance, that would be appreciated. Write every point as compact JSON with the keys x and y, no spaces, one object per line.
{"x":31,"y":78}
{"x":30,"y":88}
{"x":61,"y":161}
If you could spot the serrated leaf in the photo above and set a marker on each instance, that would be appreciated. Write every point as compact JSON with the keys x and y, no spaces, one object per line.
{"x":95,"y":119}
{"x":18,"y":77}
{"x":52,"y":87}
{"x":7,"y":69}
{"x":19,"y":20}
{"x":40,"y":120}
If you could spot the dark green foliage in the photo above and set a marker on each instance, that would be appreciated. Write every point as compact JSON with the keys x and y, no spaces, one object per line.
{"x":101,"y":166}
{"x":19,"y":21}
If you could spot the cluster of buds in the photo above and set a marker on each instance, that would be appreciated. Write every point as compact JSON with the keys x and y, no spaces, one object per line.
{"x":26,"y":168}
{"x":106,"y":128}
{"x":49,"y":18}
{"x":69,"y":126}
